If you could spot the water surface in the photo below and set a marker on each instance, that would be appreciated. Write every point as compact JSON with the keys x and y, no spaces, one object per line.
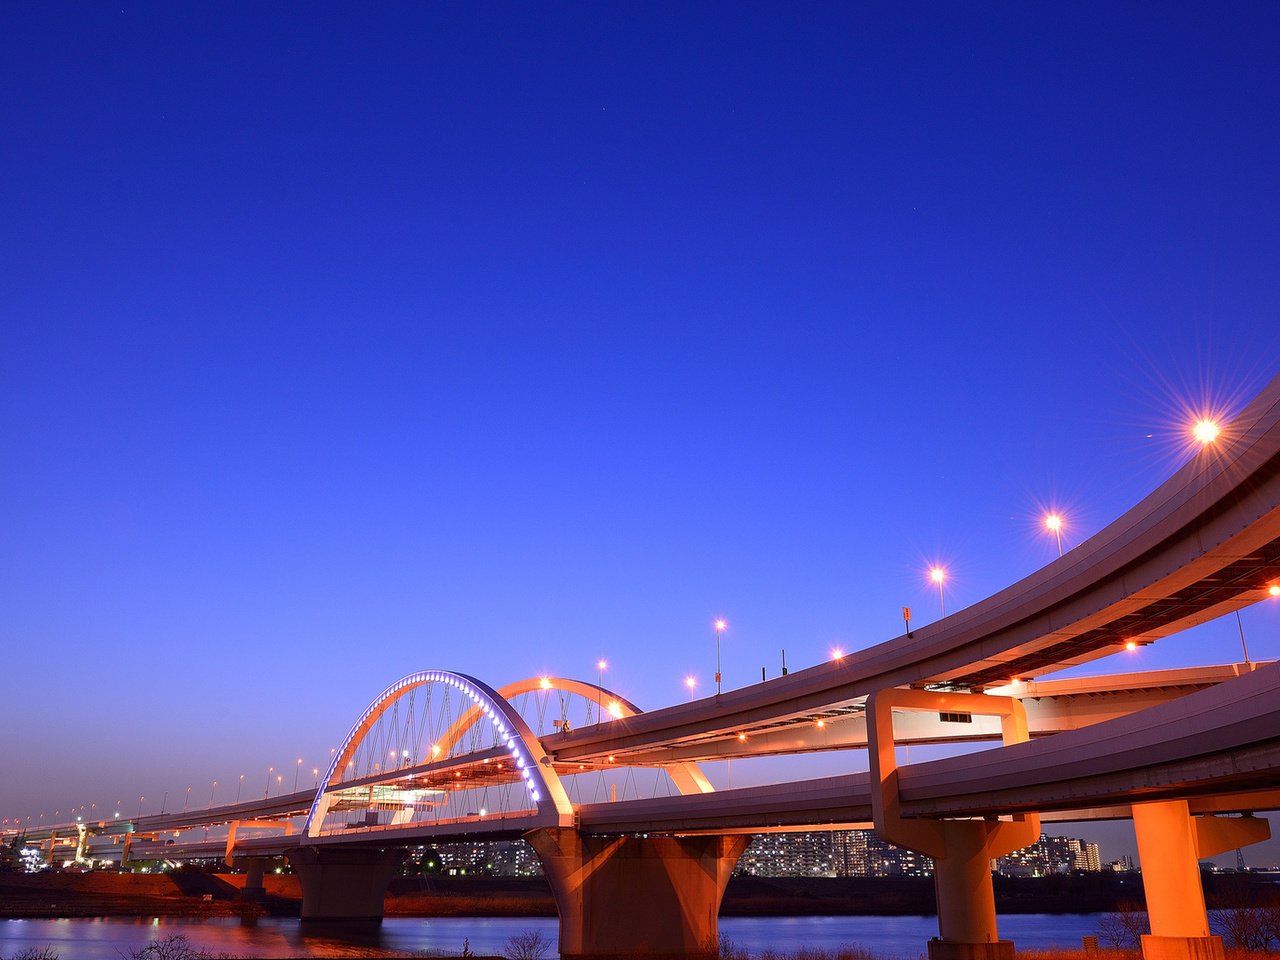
{"x":112,"y":938}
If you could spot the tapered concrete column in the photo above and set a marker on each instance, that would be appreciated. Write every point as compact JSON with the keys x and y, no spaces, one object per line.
{"x":637,"y":896}
{"x":1170,"y":845}
{"x":966,"y":897}
{"x":962,"y":850}
{"x":344,"y":883}
{"x":254,"y":868}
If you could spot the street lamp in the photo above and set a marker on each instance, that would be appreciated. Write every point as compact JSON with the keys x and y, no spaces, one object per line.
{"x":1054,"y":522}
{"x":600,"y":665}
{"x":295,"y":775}
{"x":939,"y":576}
{"x":692,"y":684}
{"x":721,"y":626}
{"x":1206,"y":430}
{"x":267,"y":792}
{"x":239,"y":787}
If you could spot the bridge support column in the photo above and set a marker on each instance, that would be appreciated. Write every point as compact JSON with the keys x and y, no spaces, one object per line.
{"x":344,"y":883}
{"x":637,"y":896}
{"x":1170,"y":845}
{"x":254,"y":868}
{"x":962,"y":850}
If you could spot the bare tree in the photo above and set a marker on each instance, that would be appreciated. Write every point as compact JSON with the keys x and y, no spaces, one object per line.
{"x":1123,"y":928}
{"x":529,"y":945}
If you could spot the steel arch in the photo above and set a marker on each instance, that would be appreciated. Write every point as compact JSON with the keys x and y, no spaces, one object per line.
{"x":544,"y":786}
{"x":685,"y":775}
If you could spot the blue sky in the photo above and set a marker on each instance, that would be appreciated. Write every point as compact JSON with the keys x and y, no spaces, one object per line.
{"x":339,"y":344}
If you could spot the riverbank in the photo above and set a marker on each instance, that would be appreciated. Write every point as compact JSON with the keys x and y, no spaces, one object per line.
{"x":186,"y":893}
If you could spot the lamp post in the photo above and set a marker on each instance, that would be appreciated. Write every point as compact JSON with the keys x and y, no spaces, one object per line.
{"x":1054,"y":522}
{"x":239,"y":787}
{"x":295,"y":775}
{"x":692,"y":684}
{"x":600,"y":665}
{"x":267,"y":791}
{"x":721,"y":626}
{"x":939,"y":576}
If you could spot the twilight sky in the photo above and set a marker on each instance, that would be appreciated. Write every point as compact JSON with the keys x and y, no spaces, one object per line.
{"x":339,"y":343}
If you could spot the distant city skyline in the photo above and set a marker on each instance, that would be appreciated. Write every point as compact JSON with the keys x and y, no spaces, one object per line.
{"x":508,"y":341}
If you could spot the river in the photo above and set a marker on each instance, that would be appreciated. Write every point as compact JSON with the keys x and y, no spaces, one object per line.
{"x":112,"y":939}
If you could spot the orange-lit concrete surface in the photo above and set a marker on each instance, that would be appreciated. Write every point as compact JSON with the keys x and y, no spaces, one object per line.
{"x":633,"y":895}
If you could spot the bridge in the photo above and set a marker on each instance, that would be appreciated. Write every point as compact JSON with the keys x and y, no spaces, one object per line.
{"x":1189,"y":754}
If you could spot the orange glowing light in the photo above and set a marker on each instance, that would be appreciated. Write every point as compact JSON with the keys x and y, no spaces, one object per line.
{"x":837,"y":653}
{"x":545,"y":682}
{"x":1206,"y":431}
{"x":615,"y":710}
{"x":742,"y":737}
{"x":1274,"y":590}
{"x":822,"y":724}
{"x":611,"y":758}
{"x":1131,"y":645}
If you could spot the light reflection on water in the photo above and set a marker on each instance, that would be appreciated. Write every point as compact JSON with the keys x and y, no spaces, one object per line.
{"x":110,"y":939}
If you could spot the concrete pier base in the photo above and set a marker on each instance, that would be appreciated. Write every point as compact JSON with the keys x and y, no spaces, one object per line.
{"x":1181,"y":948}
{"x":651,"y":897}
{"x":954,"y":950}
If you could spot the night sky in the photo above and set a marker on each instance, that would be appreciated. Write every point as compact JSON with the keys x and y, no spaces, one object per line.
{"x":338,"y":343}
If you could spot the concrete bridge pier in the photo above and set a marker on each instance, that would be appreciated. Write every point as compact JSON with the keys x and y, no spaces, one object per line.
{"x":1171,"y":844}
{"x":637,"y":896}
{"x":344,"y":883}
{"x":962,"y":850}
{"x":967,"y":927}
{"x":254,"y":869}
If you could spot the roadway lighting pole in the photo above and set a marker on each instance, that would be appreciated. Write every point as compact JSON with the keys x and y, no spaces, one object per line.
{"x":600,"y":665}
{"x":212,"y":789}
{"x":266,"y":792}
{"x":186,"y":801}
{"x":295,"y":775}
{"x":720,"y":626}
{"x":939,"y":575}
{"x":239,"y":787}
{"x":1240,"y":624}
{"x":1054,"y":522}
